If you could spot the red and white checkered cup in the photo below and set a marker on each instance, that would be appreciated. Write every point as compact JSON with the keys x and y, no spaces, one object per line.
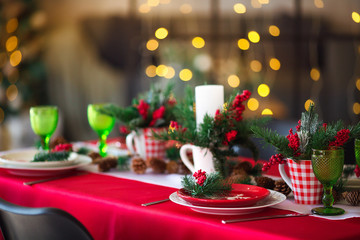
{"x":305,"y":186}
{"x":141,"y":142}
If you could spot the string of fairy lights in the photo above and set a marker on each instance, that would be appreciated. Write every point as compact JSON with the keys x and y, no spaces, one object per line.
{"x":244,"y":44}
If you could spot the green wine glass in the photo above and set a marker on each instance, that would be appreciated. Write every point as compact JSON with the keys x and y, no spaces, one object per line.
{"x":102,"y":124}
{"x":328,"y":166}
{"x":44,"y":121}
{"x":357,"y":151}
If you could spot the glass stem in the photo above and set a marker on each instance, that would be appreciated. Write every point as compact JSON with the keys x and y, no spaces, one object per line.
{"x":45,"y":142}
{"x":102,"y":145}
{"x":328,"y":198}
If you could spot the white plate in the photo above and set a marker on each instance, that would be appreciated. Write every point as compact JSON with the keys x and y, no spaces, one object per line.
{"x":24,"y":159}
{"x":271,"y":200}
{"x":80,"y":161}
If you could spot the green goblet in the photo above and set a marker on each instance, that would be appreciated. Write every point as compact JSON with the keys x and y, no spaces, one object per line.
{"x":102,"y":124}
{"x":328,"y":167}
{"x":44,"y":121}
{"x":357,"y":151}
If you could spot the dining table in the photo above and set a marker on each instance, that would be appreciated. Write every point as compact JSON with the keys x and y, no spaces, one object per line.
{"x":109,"y":205}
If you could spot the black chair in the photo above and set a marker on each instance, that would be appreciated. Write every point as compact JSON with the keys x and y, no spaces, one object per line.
{"x":21,"y":223}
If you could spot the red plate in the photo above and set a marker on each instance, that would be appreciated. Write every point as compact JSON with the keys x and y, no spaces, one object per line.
{"x":242,"y":195}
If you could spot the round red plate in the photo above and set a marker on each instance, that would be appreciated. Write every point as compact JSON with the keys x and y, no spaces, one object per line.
{"x":242,"y":195}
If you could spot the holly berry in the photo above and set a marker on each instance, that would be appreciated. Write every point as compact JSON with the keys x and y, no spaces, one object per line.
{"x":274,"y":160}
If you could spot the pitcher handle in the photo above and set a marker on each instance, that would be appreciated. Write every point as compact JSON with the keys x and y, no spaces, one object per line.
{"x":284,"y":176}
{"x":130,"y":142}
{"x":185,"y":158}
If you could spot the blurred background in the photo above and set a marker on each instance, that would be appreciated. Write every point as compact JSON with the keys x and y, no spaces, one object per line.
{"x":289,"y":53}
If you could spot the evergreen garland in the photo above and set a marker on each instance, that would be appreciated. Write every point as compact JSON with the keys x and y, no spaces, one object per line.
{"x":51,"y":156}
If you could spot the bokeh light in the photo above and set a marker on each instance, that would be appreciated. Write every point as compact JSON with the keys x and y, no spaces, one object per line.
{"x":161,"y":33}
{"x":233,"y":81}
{"x":11,"y":43}
{"x":356,"y":17}
{"x":254,"y":36}
{"x":263,"y":90}
{"x":11,"y":92}
{"x":161,"y":70}
{"x":170,"y":72}
{"x":12,"y":25}
{"x":264,"y":1}
{"x":274,"y":64}
{"x":186,"y":8}
{"x":15,"y":58}
{"x":315,"y":74}
{"x":274,"y":31}
{"x":153,"y":3}
{"x":356,"y":108}
{"x":185,"y":74}
{"x":239,"y":8}
{"x":255,"y":4}
{"x":144,"y":8}
{"x":253,"y":104}
{"x":358,"y":84}
{"x":150,"y":71}
{"x":243,"y":44}
{"x":255,"y":65}
{"x":308,"y":103}
{"x":198,"y":42}
{"x":267,"y":112}
{"x":319,"y":3}
{"x":152,"y":45}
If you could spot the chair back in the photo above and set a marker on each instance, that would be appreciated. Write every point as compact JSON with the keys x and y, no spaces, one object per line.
{"x":19,"y":223}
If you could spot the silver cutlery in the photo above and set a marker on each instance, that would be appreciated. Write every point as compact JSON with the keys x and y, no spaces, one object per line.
{"x":52,"y":178}
{"x":156,"y":202}
{"x":265,"y":217}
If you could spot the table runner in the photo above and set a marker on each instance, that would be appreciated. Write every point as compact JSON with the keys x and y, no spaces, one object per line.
{"x":110,"y":208}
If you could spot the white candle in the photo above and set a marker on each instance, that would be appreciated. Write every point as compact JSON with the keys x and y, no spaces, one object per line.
{"x":208,"y":98}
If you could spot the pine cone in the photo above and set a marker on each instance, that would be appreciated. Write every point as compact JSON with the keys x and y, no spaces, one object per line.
{"x":157,"y":165}
{"x":242,"y":166}
{"x":107,"y":163}
{"x":138,"y":165}
{"x":265,"y":182}
{"x":172,"y":167}
{"x":57,"y":141}
{"x":353,"y":197}
{"x":282,"y":187}
{"x":95,"y":156}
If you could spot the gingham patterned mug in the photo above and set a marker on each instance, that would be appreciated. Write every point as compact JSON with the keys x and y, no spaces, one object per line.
{"x":141,"y":142}
{"x":305,"y":186}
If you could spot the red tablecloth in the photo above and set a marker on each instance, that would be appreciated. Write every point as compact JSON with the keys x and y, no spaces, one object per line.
{"x":110,"y":208}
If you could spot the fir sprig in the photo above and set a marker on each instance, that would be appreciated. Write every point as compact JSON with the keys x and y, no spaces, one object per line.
{"x":51,"y":156}
{"x":214,"y":185}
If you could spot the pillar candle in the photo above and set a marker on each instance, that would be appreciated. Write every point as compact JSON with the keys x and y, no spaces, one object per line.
{"x":208,"y":98}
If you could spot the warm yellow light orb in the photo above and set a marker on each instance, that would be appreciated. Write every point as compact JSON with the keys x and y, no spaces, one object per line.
{"x":356,"y":108}
{"x":233,"y":81}
{"x":198,"y":42}
{"x":274,"y":64}
{"x":274,"y":31}
{"x":315,"y":74}
{"x":267,"y":112}
{"x":243,"y":44}
{"x":170,"y":73}
{"x":161,"y":70}
{"x":144,"y":8}
{"x":356,"y":17}
{"x":12,"y":92}
{"x":153,"y":3}
{"x":253,"y":104}
{"x":15,"y":58}
{"x":11,"y":43}
{"x":239,"y":8}
{"x":319,"y":3}
{"x":12,"y":25}
{"x":254,"y":36}
{"x":185,"y":74}
{"x":152,"y":44}
{"x":255,"y":65}
{"x":308,"y":103}
{"x":185,"y":8}
{"x":263,"y":90}
{"x":150,"y":71}
{"x":358,"y":84}
{"x":161,"y":33}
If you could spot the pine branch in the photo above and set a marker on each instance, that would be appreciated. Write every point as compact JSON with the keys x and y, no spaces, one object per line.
{"x":51,"y":156}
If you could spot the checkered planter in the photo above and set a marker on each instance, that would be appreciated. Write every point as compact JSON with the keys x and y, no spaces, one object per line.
{"x":145,"y":145}
{"x":306,"y":188}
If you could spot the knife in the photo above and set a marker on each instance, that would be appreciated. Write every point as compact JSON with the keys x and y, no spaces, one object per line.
{"x":53,"y":178}
{"x":265,"y":217}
